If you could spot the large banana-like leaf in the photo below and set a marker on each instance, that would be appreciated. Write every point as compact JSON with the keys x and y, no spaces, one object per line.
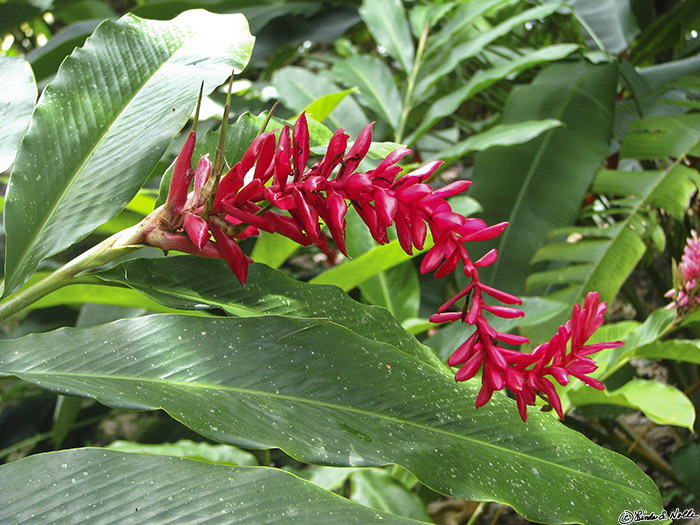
{"x":539,"y":185}
{"x":610,"y":23}
{"x":91,"y":485}
{"x":104,"y":121}
{"x":326,"y":394}
{"x":604,"y":257}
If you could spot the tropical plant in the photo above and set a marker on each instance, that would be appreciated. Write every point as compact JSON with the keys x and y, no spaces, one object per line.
{"x":283,"y":398}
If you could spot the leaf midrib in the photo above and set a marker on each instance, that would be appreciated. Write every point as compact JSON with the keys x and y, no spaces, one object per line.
{"x":86,"y":159}
{"x":324,"y":404}
{"x":528,"y":179}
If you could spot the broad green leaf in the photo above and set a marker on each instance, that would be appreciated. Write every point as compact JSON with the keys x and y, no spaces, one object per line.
{"x":186,"y":448}
{"x":500,"y":135}
{"x":449,"y":104}
{"x":190,"y":282}
{"x":98,"y":486}
{"x":273,"y":250}
{"x":103,"y":123}
{"x":299,"y":87}
{"x":323,"y":106}
{"x":464,"y":50}
{"x":610,"y":22}
{"x":687,"y":350}
{"x":17,"y":100}
{"x":539,"y":185}
{"x":387,"y":22}
{"x":325,"y":394}
{"x":377,"y":89}
{"x":663,"y":404}
{"x":377,"y":489}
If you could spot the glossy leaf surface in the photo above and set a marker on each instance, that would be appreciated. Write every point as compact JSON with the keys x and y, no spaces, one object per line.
{"x":193,"y":283}
{"x":103,"y":123}
{"x":106,"y":486}
{"x":325,"y":394}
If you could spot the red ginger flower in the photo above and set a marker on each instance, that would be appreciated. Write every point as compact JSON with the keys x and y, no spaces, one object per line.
{"x":685,"y":292}
{"x":272,"y":178}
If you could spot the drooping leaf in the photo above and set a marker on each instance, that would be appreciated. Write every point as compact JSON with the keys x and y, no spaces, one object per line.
{"x":99,"y":485}
{"x":663,"y":404}
{"x":17,"y":99}
{"x":186,"y":448}
{"x":194,"y":283}
{"x":103,"y":123}
{"x":377,"y":89}
{"x":387,"y":22}
{"x":326,"y":394}
{"x":539,"y":185}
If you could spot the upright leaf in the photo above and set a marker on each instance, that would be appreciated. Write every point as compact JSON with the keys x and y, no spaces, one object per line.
{"x":326,"y":394}
{"x":103,"y":123}
{"x":539,"y":185}
{"x":17,"y":100}
{"x":99,"y":486}
{"x":387,"y":22}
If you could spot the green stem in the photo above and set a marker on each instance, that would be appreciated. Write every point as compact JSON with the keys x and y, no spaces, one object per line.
{"x":398,"y":136}
{"x":108,"y":250}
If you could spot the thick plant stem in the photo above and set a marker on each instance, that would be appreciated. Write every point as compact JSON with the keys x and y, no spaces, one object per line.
{"x":108,"y":250}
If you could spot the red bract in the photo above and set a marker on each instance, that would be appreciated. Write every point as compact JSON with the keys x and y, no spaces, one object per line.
{"x":686,"y":277}
{"x":273,"y":190}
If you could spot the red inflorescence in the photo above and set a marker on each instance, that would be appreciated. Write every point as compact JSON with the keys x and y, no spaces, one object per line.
{"x":272,"y":189}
